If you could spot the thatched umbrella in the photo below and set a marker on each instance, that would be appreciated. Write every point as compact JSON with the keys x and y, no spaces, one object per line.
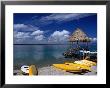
{"x":79,"y":36}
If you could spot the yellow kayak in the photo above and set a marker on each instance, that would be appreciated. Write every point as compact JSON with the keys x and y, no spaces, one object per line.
{"x":72,"y":68}
{"x":76,"y":66}
{"x":83,"y":67}
{"x":86,"y":62}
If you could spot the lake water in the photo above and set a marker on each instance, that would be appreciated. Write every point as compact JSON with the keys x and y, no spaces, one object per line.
{"x":41,"y":55}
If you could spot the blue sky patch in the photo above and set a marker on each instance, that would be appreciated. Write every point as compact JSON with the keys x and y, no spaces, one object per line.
{"x":52,"y":28}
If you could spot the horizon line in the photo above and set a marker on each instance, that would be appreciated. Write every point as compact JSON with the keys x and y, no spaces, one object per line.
{"x":40,"y":44}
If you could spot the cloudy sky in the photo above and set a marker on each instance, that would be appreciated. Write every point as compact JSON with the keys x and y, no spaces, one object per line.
{"x":50,"y":28}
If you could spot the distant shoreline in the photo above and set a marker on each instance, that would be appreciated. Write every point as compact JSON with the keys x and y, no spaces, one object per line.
{"x":47,"y":44}
{"x":41,"y":44}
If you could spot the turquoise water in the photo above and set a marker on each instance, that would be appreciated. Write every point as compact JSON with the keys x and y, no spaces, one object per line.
{"x":41,"y":55}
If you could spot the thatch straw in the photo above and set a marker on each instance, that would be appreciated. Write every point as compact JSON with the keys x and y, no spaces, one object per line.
{"x":79,"y":35}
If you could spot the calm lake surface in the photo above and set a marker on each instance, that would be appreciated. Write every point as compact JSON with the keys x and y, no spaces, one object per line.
{"x":41,"y":55}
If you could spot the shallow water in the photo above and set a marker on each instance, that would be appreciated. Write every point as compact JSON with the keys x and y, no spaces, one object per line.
{"x":40,"y":55}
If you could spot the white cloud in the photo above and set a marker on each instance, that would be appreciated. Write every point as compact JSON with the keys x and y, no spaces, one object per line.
{"x":21,"y":35}
{"x":24,"y":28}
{"x":39,"y":37}
{"x":17,"y":26}
{"x":60,"y":33}
{"x":61,"y":17}
{"x":94,"y":39}
{"x":27,"y":33}
{"x":59,"y":36}
{"x":37,"y":32}
{"x":24,"y":32}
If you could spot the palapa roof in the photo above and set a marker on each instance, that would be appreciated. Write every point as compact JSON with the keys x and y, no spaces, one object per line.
{"x":79,"y":35}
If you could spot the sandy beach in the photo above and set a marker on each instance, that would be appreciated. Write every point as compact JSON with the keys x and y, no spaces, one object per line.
{"x":50,"y":70}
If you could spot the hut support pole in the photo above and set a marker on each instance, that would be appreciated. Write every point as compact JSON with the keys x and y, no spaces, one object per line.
{"x":87,"y":45}
{"x":77,"y":44}
{"x":70,"y":45}
{"x":83,"y":57}
{"x":83,"y":54}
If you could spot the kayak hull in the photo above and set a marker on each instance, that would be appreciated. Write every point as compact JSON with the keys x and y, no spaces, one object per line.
{"x":67,"y":67}
{"x":77,"y":66}
{"x":86,"y":62}
{"x":82,"y":66}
